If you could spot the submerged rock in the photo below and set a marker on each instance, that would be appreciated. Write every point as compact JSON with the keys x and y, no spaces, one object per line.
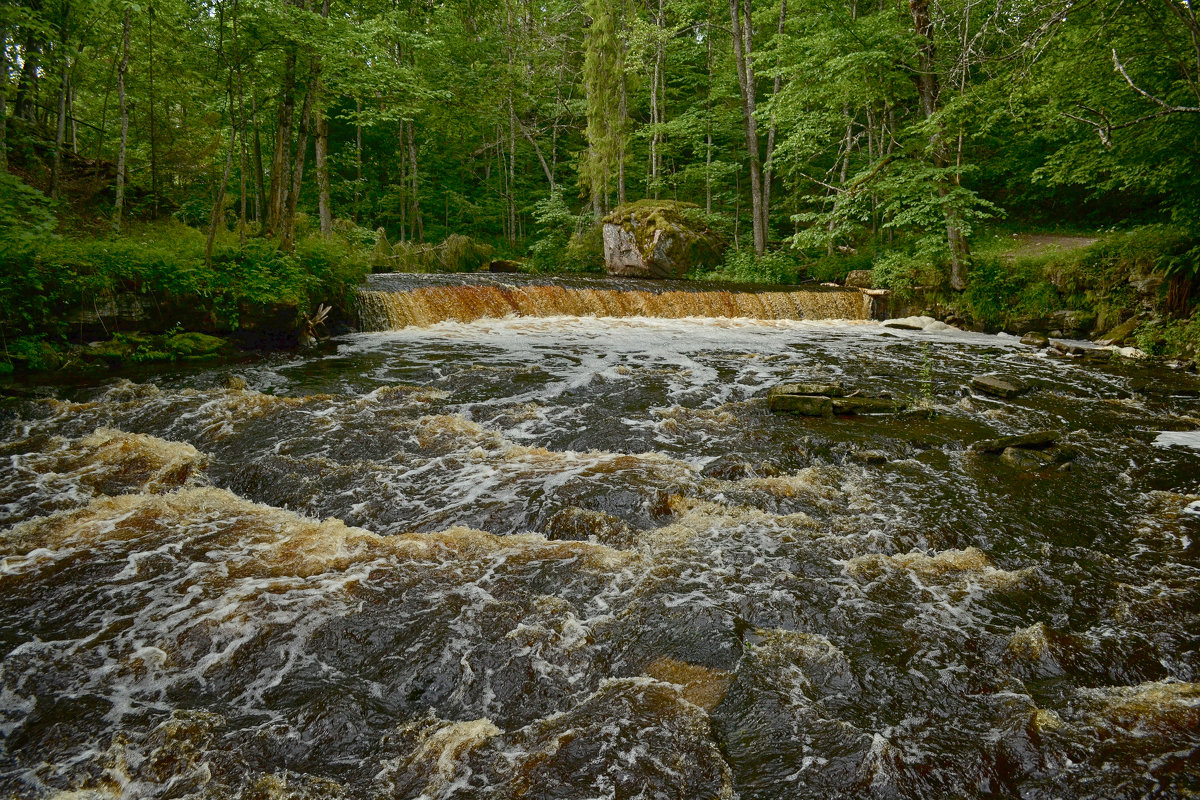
{"x":996,"y":386}
{"x":826,"y":399}
{"x":1023,"y":458}
{"x":1036,"y":439}
{"x":653,"y":239}
{"x":865,"y":405}
{"x":803,"y":404}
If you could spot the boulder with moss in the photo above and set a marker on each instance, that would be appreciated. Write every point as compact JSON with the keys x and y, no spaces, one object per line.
{"x":657,"y":239}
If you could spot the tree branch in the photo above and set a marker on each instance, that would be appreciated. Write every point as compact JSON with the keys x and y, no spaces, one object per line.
{"x":1169,"y":109}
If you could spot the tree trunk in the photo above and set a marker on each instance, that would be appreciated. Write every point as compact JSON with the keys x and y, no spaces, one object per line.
{"x":927,"y":90}
{"x":768,"y":167}
{"x":153,"y":123}
{"x":743,"y":49}
{"x":321,"y":151}
{"x":119,"y":205}
{"x":418,"y":222}
{"x":324,"y":209}
{"x":260,"y":198}
{"x":708,"y":141}
{"x":622,"y":112}
{"x":357,"y":157}
{"x":61,"y":129}
{"x":217,"y":216}
{"x":287,"y":236}
{"x":3,"y":99}
{"x":277,"y":196}
{"x":25,"y":106}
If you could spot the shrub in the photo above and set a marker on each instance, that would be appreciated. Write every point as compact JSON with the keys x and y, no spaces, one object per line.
{"x":566,"y":241}
{"x":743,"y":266}
{"x":1161,"y":337}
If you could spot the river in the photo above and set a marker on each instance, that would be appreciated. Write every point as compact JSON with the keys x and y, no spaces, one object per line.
{"x":573,"y":557}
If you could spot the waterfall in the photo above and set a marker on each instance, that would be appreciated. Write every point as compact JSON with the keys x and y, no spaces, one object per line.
{"x":390,"y":302}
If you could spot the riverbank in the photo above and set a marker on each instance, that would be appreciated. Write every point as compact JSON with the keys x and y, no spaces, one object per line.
{"x":82,"y":305}
{"x":92,"y":305}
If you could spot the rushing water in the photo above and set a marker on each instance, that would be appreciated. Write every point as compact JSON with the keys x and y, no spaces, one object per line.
{"x":398,"y":300}
{"x":578,"y":558}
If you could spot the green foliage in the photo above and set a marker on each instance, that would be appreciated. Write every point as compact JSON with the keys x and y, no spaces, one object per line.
{"x":743,"y":266}
{"x":566,"y":242}
{"x":1176,"y":337}
{"x":921,"y":264}
{"x":456,"y":253}
{"x":31,"y":352}
{"x":1000,"y":293}
{"x":25,"y":213}
{"x":834,"y":268}
{"x":42,"y":284}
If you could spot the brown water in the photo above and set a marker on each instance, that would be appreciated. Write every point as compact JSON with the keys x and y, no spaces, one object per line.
{"x":398,"y":300}
{"x":578,"y":558}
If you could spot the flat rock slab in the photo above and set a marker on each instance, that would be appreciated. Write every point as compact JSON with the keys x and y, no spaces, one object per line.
{"x":1037,"y":439}
{"x":864,"y":405}
{"x":801,"y":387}
{"x":1035,"y":339}
{"x":998,"y":387}
{"x":801,"y":404}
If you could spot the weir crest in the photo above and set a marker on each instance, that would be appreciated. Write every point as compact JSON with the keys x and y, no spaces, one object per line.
{"x":396,"y":300}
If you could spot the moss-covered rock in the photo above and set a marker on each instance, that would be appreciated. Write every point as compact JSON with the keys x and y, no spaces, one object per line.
{"x":657,"y":239}
{"x":194,"y":345}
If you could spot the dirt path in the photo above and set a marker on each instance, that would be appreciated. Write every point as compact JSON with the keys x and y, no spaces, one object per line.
{"x":1025,"y":245}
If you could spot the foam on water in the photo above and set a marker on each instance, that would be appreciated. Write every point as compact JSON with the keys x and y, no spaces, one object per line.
{"x":580,"y":558}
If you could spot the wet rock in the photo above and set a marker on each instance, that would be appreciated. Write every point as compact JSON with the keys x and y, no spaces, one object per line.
{"x":1036,"y":439}
{"x":701,"y":686}
{"x":904,"y":324}
{"x":1035,"y":339}
{"x":865,"y":405}
{"x":859,"y":278}
{"x":801,"y":404}
{"x":1117,"y":336}
{"x":1023,"y":458}
{"x":728,"y":468}
{"x":580,"y":524}
{"x":1075,"y":324}
{"x":826,"y":389}
{"x":997,"y":386}
{"x":653,"y":239}
{"x":1082,"y":351}
{"x":191,"y":344}
{"x":504,"y":265}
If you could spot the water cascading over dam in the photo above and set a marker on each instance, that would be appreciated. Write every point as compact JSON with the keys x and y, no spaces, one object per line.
{"x":399,"y":300}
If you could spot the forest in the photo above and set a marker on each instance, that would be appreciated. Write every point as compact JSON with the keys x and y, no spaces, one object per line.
{"x":228,"y":153}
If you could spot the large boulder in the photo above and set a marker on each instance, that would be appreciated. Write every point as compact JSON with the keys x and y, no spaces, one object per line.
{"x":654,"y":239}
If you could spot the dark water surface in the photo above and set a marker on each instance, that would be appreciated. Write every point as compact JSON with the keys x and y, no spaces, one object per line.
{"x":578,"y":558}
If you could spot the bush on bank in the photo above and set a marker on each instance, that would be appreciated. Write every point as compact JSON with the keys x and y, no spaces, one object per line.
{"x":1151,"y":273}
{"x":58,"y":291}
